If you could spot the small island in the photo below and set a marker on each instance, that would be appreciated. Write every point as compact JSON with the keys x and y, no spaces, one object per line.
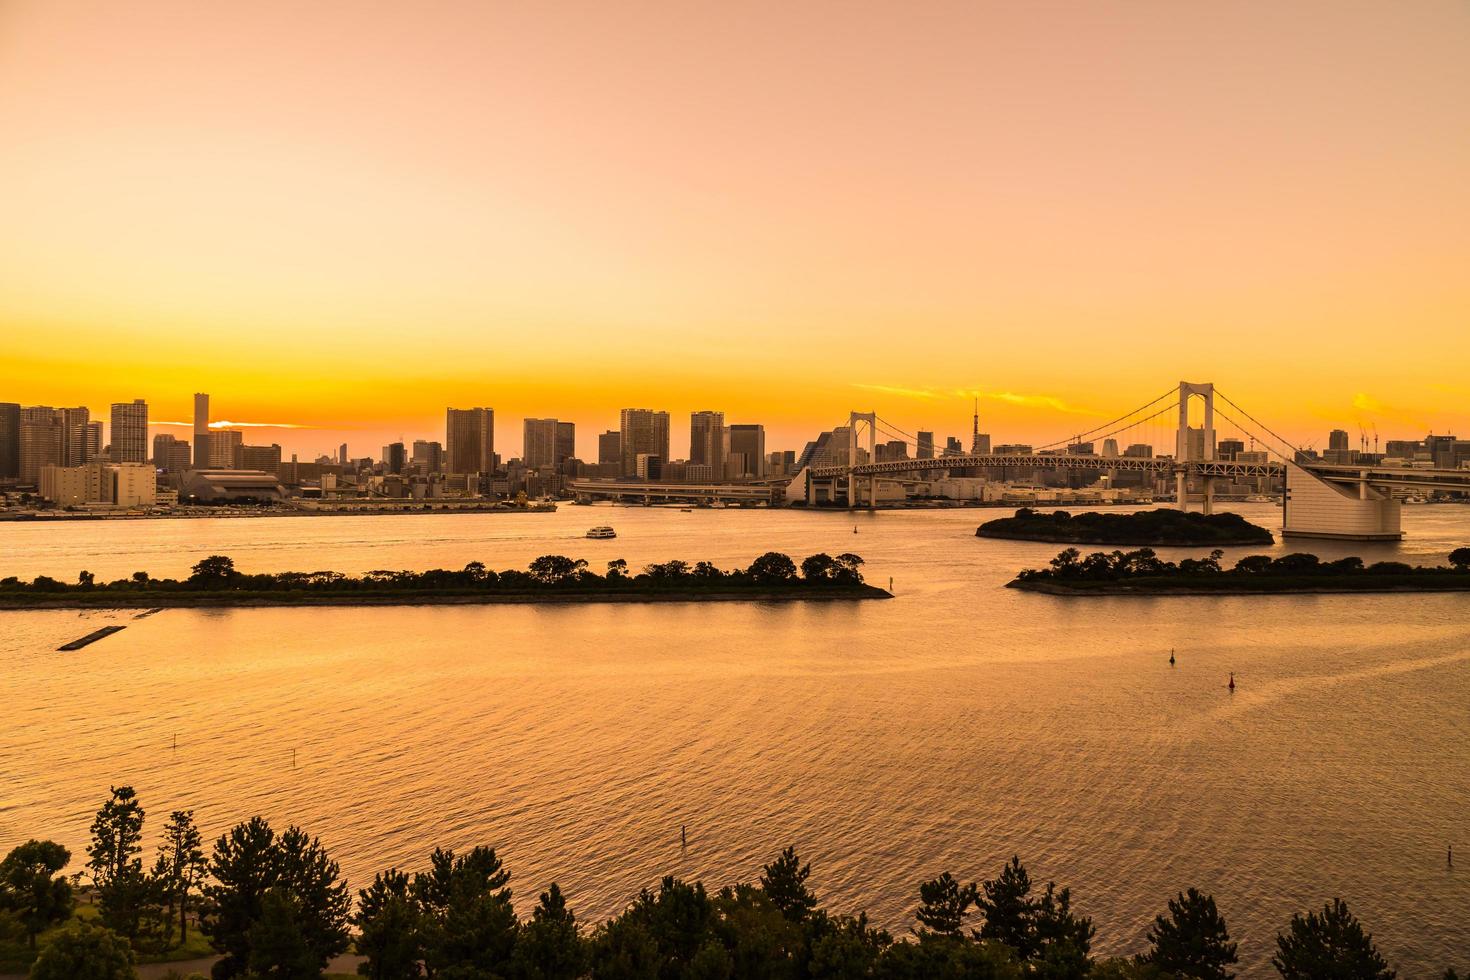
{"x":215,"y":582}
{"x":1145,"y":527}
{"x":1142,"y":572}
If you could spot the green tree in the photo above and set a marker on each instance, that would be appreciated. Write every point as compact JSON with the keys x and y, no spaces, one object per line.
{"x":551,"y":569}
{"x":29,"y":886}
{"x":1005,"y":905}
{"x":387,"y":921}
{"x":279,"y":945}
{"x":213,"y":572}
{"x":85,"y":952}
{"x":772,"y":568}
{"x":818,"y":568}
{"x":784,"y":882}
{"x":248,"y":863}
{"x":617,"y":568}
{"x":943,"y":904}
{"x":1192,"y":941}
{"x":1043,"y":932}
{"x":1332,"y":944}
{"x":86,"y":579}
{"x":180,"y":868}
{"x":117,"y":870}
{"x":469,"y":924}
{"x":549,"y":947}
{"x":1460,"y":559}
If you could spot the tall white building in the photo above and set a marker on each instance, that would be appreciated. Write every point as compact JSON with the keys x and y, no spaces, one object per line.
{"x":130,"y":432}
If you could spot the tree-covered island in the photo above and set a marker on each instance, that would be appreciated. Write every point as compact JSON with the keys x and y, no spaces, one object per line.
{"x":1142,"y":572}
{"x":1161,"y":527}
{"x":215,"y":581}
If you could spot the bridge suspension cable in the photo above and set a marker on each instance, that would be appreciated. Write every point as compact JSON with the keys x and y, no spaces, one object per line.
{"x":1283,"y":441}
{"x":1099,"y":430}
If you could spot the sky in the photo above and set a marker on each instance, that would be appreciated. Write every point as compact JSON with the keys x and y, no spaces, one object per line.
{"x":347,"y":216}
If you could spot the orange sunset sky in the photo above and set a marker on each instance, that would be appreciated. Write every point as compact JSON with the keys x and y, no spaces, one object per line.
{"x":348,"y":215}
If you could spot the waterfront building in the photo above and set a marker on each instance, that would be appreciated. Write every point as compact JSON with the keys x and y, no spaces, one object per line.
{"x":566,"y":441}
{"x":953,"y":446}
{"x":648,"y":466}
{"x":230,"y":485}
{"x":201,"y":430}
{"x":750,"y":442}
{"x":538,"y":447}
{"x":118,"y":484}
{"x":40,"y":442}
{"x":708,"y":440}
{"x":428,"y":456}
{"x":75,"y":437}
{"x":129,"y":432}
{"x":1228,"y":449}
{"x":469,"y":440}
{"x":642,"y":432}
{"x":223,"y":444}
{"x":1139,"y":450}
{"x":171,"y":454}
{"x":926,"y":446}
{"x":267,"y":458}
{"x":394,"y":459}
{"x":1081,"y":449}
{"x":95,"y":449}
{"x":610,"y":448}
{"x":9,"y":441}
{"x":1110,"y":448}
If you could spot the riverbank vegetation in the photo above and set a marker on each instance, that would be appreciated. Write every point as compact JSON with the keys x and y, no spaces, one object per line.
{"x":551,"y":578}
{"x":1145,"y":527}
{"x":1142,"y":572}
{"x":274,"y":904}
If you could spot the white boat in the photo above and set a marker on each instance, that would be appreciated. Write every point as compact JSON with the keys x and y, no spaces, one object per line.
{"x":601,"y":532}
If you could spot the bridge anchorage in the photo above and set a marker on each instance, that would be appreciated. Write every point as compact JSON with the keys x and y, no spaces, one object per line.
{"x":1320,"y":500}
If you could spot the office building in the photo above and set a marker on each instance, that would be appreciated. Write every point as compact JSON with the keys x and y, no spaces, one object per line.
{"x":95,"y":449}
{"x":1139,"y":450}
{"x":223,"y":445}
{"x":395,"y":459}
{"x":566,"y":442}
{"x":9,"y":441}
{"x":428,"y":456}
{"x":707,"y":440}
{"x":1081,"y":449}
{"x":750,"y":442}
{"x":926,"y":446}
{"x":201,"y":431}
{"x":610,"y":448}
{"x":538,"y":448}
{"x":642,"y":432}
{"x":51,"y":437}
{"x":1110,"y":448}
{"x":170,"y":454}
{"x":1228,"y":449}
{"x":1337,"y":441}
{"x":265,"y":458}
{"x":129,"y":432}
{"x":469,"y":440}
{"x":118,"y":484}
{"x":342,"y":454}
{"x":980,"y":444}
{"x":953,"y":447}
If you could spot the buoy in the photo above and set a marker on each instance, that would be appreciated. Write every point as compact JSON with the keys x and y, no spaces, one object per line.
{"x":683,"y":837}
{"x":1171,"y":657}
{"x":1232,"y":682}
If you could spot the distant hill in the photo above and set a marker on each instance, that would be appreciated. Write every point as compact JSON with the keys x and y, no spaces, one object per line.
{"x":1144,"y":527}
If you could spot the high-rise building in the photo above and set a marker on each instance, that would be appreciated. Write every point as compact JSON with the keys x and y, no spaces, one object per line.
{"x":953,"y":446}
{"x":642,"y":432}
{"x":428,"y":456}
{"x":171,"y":454}
{"x":707,"y":441}
{"x":395,"y":458}
{"x":469,"y":440}
{"x":610,"y":447}
{"x":538,"y":447}
{"x":9,"y":441}
{"x":566,"y":441}
{"x":342,"y":454}
{"x":224,"y":445}
{"x":1139,"y":450}
{"x":129,"y":432}
{"x":95,"y":447}
{"x":750,"y":441}
{"x":201,"y":431}
{"x":40,"y":442}
{"x":75,"y":437}
{"x":926,"y":446}
{"x":1337,"y":441}
{"x":1110,"y":448}
{"x":1226,"y":449}
{"x":264,"y":458}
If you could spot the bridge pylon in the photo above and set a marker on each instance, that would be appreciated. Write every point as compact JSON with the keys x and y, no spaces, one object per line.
{"x":1194,"y":445}
{"x":853,"y":420}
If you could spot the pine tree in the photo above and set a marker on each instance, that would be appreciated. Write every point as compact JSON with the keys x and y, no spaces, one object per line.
{"x":943,"y":904}
{"x":784,"y":882}
{"x":1192,"y":941}
{"x":29,"y":886}
{"x":1333,"y":944}
{"x":117,"y":871}
{"x":180,"y":867}
{"x":1005,"y":904}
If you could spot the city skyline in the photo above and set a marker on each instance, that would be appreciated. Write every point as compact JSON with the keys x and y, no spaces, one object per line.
{"x":340,"y":231}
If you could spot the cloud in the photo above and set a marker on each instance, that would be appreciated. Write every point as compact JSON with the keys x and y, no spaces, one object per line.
{"x":225,"y":424}
{"x":1049,"y":402}
{"x":901,"y":392}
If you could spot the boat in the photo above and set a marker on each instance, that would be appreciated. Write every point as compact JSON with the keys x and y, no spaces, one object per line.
{"x":601,"y":532}
{"x":686,"y":510}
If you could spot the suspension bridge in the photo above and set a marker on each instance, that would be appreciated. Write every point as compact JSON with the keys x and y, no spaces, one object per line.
{"x":1326,"y":500}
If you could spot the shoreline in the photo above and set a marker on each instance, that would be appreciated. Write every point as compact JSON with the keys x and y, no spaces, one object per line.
{"x":1267,"y":590}
{"x":1133,"y":543}
{"x":247,"y":600}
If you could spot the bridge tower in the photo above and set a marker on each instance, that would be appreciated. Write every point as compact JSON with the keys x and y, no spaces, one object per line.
{"x":870,"y":419}
{"x":1185,"y":450}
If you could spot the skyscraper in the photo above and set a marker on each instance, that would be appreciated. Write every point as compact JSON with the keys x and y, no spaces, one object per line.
{"x":130,"y":431}
{"x":538,"y":447}
{"x":707,"y":441}
{"x":926,"y":446}
{"x":750,"y":441}
{"x":9,"y":441}
{"x":610,"y":447}
{"x":40,"y":442}
{"x":1337,"y":441}
{"x":429,"y":456}
{"x":469,"y":440}
{"x":74,"y":436}
{"x":566,"y":441}
{"x":642,"y":432}
{"x":224,"y":445}
{"x":94,"y":444}
{"x":395,"y":458}
{"x":201,"y":431}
